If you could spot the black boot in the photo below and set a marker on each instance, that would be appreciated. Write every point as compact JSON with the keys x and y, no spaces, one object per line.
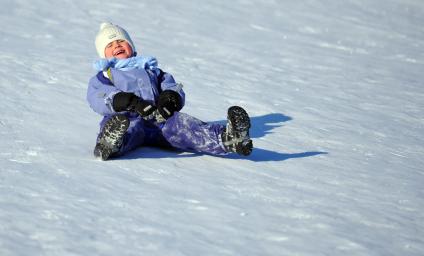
{"x":111,"y":136}
{"x":236,"y":135}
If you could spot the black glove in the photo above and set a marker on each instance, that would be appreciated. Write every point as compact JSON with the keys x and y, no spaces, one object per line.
{"x":125,"y":101}
{"x":169,"y":102}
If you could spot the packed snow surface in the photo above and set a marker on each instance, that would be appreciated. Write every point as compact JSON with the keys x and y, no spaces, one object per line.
{"x":335,"y":92}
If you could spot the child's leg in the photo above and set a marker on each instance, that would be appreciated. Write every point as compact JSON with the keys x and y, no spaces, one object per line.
{"x":186,"y":132}
{"x":134,"y":137}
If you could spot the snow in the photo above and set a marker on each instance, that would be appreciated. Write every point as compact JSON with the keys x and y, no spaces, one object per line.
{"x":334,"y":89}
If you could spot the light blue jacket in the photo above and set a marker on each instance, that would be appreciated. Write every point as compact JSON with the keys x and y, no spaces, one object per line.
{"x":146,"y":84}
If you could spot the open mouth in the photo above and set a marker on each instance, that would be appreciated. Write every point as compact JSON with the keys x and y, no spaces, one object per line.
{"x":118,"y":52}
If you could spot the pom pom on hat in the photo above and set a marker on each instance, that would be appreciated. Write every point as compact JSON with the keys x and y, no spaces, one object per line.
{"x":108,"y":33}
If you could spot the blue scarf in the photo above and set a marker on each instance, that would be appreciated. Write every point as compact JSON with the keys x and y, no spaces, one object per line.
{"x":138,"y":62}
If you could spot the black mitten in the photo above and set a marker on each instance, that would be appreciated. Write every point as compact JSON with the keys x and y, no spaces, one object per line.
{"x":143,"y":108}
{"x":169,"y":102}
{"x":125,"y":101}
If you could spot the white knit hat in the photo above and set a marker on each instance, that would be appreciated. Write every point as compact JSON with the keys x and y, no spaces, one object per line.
{"x":108,"y":33}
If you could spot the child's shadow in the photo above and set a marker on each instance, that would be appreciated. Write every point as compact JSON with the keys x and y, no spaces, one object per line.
{"x":261,"y":126}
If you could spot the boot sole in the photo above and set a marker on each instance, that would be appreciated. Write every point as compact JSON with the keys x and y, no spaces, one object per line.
{"x":113,"y":131}
{"x":240,"y":122}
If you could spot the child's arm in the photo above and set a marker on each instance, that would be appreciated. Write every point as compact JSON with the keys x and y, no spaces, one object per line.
{"x":100,"y":96}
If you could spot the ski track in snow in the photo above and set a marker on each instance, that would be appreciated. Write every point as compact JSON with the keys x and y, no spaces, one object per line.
{"x":335,"y":93}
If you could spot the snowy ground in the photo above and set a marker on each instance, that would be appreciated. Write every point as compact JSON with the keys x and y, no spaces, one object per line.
{"x":335,"y":91}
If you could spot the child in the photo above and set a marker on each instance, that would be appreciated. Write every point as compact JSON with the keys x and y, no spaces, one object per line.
{"x":141,"y":103}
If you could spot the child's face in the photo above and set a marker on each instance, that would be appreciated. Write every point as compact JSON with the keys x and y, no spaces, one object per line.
{"x":119,"y":49}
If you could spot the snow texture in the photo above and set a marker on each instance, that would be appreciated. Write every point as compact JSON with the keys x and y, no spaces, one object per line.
{"x":335,"y":91}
